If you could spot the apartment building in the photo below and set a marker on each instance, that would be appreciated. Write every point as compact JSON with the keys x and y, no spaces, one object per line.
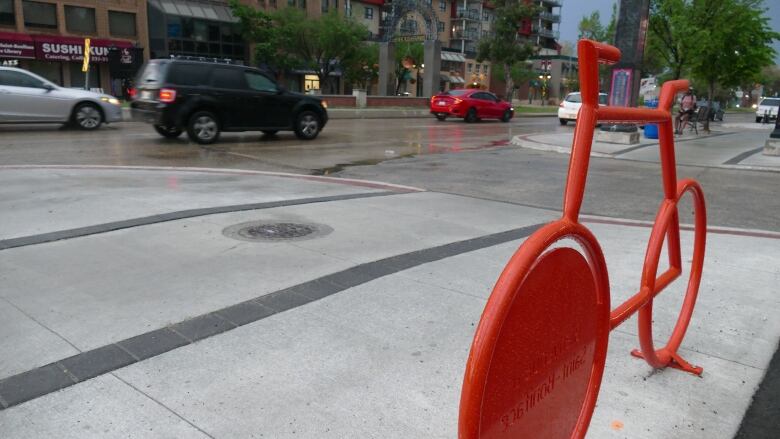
{"x":47,"y":37}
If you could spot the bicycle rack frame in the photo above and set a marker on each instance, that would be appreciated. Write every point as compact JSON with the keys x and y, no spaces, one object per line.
{"x":538,"y":355}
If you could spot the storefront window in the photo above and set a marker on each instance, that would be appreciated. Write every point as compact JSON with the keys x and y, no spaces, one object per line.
{"x":80,"y":19}
{"x":77,"y":76}
{"x":121,"y":24}
{"x":7,"y":12}
{"x":311,"y":82}
{"x":37,"y":14}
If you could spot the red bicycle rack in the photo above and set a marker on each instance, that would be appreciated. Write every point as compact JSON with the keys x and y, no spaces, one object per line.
{"x":538,"y":355}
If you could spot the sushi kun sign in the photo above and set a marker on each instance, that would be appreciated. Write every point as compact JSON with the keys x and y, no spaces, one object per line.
{"x":73,"y":50}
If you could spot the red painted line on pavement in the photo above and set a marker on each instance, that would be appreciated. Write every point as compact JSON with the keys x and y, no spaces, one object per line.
{"x":716,"y":230}
{"x":344,"y":181}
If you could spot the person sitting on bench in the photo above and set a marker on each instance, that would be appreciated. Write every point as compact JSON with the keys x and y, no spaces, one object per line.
{"x":687,"y":108}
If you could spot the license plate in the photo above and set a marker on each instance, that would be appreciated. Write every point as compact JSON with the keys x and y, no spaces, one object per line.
{"x":440,"y":103}
{"x":146,"y":94}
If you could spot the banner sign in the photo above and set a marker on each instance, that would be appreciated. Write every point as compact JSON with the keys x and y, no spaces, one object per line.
{"x":52,"y":48}
{"x":16,"y":46}
{"x":620,"y":93}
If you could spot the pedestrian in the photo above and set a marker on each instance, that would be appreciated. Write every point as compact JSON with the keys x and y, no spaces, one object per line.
{"x":687,"y":108}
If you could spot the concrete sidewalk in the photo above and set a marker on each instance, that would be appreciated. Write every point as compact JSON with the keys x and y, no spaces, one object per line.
{"x":129,"y":307}
{"x":729,"y":145}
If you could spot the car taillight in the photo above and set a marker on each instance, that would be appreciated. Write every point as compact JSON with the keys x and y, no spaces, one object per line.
{"x":167,"y":95}
{"x":131,"y":92}
{"x":458,"y":101}
{"x":561,"y":104}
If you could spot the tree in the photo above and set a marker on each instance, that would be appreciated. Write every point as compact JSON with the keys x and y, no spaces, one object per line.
{"x":288,"y":39}
{"x":590,"y":27}
{"x":770,"y":78}
{"x":504,"y":48}
{"x":520,"y":72}
{"x":363,"y":68}
{"x":737,"y":46}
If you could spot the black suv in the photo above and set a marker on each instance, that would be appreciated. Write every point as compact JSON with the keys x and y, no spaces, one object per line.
{"x":206,"y":98}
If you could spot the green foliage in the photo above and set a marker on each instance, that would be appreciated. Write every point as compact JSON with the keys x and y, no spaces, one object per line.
{"x":770,"y":77}
{"x":504,"y":48}
{"x":726,"y":41}
{"x":590,"y":27}
{"x":364,"y":67}
{"x":288,"y":39}
{"x":719,"y":43}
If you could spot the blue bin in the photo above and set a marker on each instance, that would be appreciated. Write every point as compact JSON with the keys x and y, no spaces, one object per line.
{"x":651,"y":129}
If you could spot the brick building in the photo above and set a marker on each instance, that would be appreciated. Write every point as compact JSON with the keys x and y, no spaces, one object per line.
{"x":47,"y":38}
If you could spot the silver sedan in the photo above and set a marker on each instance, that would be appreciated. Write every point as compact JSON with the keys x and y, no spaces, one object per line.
{"x":27,"y":98}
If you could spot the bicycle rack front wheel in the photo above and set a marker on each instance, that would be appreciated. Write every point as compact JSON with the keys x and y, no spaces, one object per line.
{"x":668,"y":217}
{"x":537,"y":358}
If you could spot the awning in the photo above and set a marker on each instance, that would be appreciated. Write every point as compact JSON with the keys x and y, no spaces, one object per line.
{"x":189,"y":8}
{"x":445,"y":78}
{"x":16,"y":46}
{"x":450,"y":56}
{"x":457,"y":80}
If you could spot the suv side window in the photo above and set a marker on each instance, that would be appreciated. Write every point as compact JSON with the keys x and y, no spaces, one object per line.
{"x":259,"y":82}
{"x":188,"y":74}
{"x":228,"y":78}
{"x":18,"y":79}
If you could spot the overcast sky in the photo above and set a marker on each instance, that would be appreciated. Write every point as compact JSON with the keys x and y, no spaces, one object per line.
{"x":573,"y":11}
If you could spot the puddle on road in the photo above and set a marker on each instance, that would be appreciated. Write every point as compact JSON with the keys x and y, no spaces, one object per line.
{"x":419,"y":149}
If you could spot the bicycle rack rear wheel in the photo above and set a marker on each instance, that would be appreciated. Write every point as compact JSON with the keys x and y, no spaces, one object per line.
{"x":668,"y":217}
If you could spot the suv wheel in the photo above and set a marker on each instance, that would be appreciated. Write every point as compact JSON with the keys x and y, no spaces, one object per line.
{"x":203,"y":128}
{"x":167,"y":132}
{"x":307,"y":125}
{"x":87,"y":117}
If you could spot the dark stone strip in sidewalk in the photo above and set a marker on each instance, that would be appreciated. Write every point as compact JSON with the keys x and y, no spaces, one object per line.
{"x":173,"y":216}
{"x":735,"y":160}
{"x":762,"y":419}
{"x":41,"y":381}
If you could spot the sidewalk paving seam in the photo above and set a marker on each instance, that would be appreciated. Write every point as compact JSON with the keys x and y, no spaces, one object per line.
{"x":658,"y":342}
{"x":55,"y":376}
{"x":172,"y":411}
{"x":56,"y":334}
{"x":95,"y":229}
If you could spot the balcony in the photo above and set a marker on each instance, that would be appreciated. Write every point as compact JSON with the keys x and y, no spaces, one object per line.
{"x":549,"y":16}
{"x":470,"y":14}
{"x":546,"y":33}
{"x":468,"y":35}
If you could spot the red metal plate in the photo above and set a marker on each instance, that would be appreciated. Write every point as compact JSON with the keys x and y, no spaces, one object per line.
{"x":548,"y":358}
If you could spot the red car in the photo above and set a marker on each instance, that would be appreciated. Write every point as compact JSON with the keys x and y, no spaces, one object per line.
{"x":472,"y":105}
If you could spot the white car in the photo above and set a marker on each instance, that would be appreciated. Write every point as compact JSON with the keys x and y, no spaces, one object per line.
{"x":570,"y":106}
{"x":768,"y":107}
{"x":27,"y":98}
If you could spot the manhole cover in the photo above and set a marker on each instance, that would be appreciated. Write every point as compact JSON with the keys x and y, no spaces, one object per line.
{"x":269,"y":231}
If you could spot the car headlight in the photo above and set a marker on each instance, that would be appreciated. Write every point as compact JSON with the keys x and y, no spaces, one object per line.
{"x":113,"y":101}
{"x":325,"y":104}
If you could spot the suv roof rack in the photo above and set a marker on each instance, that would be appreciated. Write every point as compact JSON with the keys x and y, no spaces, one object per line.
{"x":208,"y":59}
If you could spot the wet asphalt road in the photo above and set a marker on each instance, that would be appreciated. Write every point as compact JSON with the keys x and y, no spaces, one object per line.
{"x":342,"y":142}
{"x":452,"y":156}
